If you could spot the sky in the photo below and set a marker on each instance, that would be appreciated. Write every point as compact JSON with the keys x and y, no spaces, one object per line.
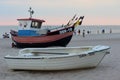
{"x":58,"y":12}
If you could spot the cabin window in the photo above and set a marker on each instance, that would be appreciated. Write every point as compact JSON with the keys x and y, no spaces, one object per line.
{"x":36,"y":24}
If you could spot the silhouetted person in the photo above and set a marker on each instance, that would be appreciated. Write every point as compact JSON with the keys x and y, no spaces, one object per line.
{"x":110,"y":30}
{"x":79,"y":31}
{"x":103,"y":31}
{"x":83,"y":33}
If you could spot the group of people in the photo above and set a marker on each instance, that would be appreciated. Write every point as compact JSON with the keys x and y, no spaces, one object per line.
{"x":83,"y":32}
{"x":78,"y":32}
{"x":5,"y":35}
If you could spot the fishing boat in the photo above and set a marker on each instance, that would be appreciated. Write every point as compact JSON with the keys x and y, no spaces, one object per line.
{"x":32,"y":34}
{"x":57,"y":58}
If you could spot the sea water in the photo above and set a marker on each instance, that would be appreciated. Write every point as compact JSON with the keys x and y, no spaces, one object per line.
{"x":93,"y":29}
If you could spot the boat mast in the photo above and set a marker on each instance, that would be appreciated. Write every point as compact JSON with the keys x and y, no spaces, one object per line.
{"x":31,"y":12}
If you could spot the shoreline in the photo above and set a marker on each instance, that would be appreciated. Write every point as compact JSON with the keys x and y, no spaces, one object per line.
{"x":93,"y":29}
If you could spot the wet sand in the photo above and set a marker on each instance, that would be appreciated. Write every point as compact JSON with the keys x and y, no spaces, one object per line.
{"x":109,"y":68}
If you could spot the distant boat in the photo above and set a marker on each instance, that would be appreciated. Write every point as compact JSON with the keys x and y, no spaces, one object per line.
{"x":59,"y":58}
{"x":30,"y":33}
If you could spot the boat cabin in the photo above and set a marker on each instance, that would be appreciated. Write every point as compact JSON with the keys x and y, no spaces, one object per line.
{"x":30,"y":24}
{"x":30,"y":27}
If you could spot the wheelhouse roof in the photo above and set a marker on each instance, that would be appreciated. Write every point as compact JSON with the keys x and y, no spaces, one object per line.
{"x":32,"y":19}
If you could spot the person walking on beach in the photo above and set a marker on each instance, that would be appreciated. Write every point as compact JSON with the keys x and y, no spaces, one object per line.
{"x":88,"y":32}
{"x":103,"y":31}
{"x":83,"y":33}
{"x":110,"y":30}
{"x":79,"y":32}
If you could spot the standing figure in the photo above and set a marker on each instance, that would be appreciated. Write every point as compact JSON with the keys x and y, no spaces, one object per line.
{"x":103,"y":31}
{"x":79,"y":32}
{"x":83,"y":33}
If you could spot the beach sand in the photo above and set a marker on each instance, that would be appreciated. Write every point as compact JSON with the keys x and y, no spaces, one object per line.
{"x":109,"y":68}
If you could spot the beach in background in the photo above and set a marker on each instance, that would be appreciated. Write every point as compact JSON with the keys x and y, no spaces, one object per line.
{"x":93,"y":29}
{"x":108,"y":69}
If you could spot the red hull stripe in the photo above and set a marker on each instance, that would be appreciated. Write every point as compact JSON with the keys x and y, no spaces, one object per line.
{"x":41,"y":39}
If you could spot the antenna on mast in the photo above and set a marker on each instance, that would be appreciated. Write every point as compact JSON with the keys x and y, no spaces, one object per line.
{"x":31,"y":12}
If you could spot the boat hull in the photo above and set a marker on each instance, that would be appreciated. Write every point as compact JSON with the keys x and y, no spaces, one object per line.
{"x":89,"y":60}
{"x":56,"y":38}
{"x":42,"y":41}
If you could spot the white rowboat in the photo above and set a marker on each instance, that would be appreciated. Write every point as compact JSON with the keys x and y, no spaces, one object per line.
{"x":59,"y":58}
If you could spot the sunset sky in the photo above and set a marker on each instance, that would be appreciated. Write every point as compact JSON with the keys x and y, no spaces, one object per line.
{"x":57,"y":12}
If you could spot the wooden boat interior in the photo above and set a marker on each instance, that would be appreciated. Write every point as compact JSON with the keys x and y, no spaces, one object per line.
{"x":53,"y":51}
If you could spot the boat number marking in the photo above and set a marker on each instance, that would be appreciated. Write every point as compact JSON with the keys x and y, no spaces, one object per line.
{"x":65,"y":30}
{"x":89,"y":54}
